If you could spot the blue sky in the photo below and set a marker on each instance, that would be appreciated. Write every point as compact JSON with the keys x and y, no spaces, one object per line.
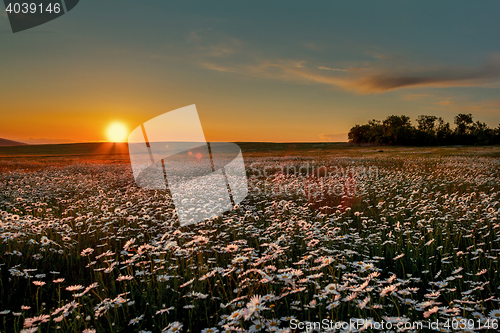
{"x":256,"y":70}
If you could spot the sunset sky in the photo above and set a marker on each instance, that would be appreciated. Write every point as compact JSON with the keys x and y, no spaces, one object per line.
{"x":256,"y":70}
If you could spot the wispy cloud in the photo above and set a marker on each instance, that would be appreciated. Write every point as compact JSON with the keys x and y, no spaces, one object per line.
{"x":484,"y":107}
{"x":215,"y":67}
{"x":43,"y":141}
{"x":334,"y":137}
{"x":440,"y":77}
{"x":313,"y":46}
{"x":370,"y":80}
{"x":224,"y":48}
{"x":332,"y":69}
{"x":415,"y":97}
{"x":385,"y":57}
{"x":287,"y":70}
{"x":214,"y":45}
{"x":445,"y":103}
{"x":226,"y":54}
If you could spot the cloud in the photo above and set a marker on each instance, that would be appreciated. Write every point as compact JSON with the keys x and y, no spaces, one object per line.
{"x":286,"y":70}
{"x":381,"y":56}
{"x":334,"y":137}
{"x":441,"y":78}
{"x":484,"y":107}
{"x":223,"y":53}
{"x":415,"y":97}
{"x":223,"y":49}
{"x":445,"y":103}
{"x":214,"y":44}
{"x":194,"y":37}
{"x":313,"y":46}
{"x":43,"y":141}
{"x":368,"y":81}
{"x":332,"y":69}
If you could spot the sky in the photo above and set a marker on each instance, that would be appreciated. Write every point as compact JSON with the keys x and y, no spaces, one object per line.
{"x":256,"y":70}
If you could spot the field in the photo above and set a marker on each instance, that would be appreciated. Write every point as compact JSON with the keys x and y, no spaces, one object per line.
{"x":329,"y":234}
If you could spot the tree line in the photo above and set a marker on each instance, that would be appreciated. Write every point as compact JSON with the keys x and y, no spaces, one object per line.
{"x":430,"y":131}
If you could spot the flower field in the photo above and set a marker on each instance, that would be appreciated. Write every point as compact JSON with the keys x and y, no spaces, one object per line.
{"x":417,"y":240}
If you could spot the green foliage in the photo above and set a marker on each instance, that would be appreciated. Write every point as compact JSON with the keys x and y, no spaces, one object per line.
{"x":430,"y":131}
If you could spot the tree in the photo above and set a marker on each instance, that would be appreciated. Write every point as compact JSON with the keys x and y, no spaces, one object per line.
{"x":430,"y":130}
{"x":397,"y":130}
{"x":359,"y":134}
{"x":426,"y":123}
{"x":376,"y":133}
{"x":481,"y":133}
{"x":443,"y":132}
{"x":463,"y":121}
{"x":426,"y":130}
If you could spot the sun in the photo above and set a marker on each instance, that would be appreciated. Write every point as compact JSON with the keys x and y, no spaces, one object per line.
{"x":117,"y":132}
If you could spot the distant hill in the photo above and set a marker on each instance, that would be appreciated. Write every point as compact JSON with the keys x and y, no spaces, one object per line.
{"x":120,"y":150}
{"x":5,"y":142}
